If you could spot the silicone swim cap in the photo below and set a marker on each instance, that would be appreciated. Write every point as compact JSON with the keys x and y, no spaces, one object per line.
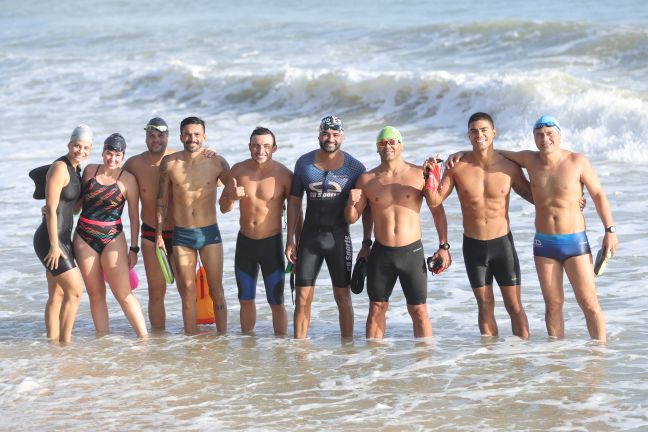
{"x":548,"y":121}
{"x":331,"y":122}
{"x":389,"y":132}
{"x":81,"y":133}
{"x":115,"y":142}
{"x":157,"y":123}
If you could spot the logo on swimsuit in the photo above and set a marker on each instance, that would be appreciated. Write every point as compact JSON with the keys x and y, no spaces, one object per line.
{"x":349,"y":251}
{"x":537,"y":243}
{"x":331,"y":187}
{"x":416,"y":250}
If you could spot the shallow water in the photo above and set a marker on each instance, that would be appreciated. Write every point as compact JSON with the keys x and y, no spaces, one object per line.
{"x":421,"y":67}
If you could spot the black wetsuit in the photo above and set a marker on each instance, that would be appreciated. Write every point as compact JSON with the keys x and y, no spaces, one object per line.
{"x":325,"y":235}
{"x":65,"y":221}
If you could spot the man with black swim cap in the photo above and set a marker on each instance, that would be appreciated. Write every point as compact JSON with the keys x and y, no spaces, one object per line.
{"x":326,"y":175}
{"x":146,"y":168}
{"x":394,"y":192}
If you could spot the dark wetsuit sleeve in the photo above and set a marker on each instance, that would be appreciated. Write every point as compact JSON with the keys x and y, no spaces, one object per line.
{"x":297,"y":186}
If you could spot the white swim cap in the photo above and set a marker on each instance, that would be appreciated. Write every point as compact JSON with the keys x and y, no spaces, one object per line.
{"x":81,"y":133}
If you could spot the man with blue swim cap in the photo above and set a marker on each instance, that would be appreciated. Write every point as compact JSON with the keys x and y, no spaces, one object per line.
{"x":557,"y":179}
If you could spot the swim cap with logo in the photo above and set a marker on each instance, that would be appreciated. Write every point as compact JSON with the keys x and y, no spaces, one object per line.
{"x":115,"y":142}
{"x":331,"y":122}
{"x":548,"y":121}
{"x":157,"y":123}
{"x":389,"y":132}
{"x":81,"y":133}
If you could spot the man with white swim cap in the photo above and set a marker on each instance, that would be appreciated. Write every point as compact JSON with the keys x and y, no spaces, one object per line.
{"x":557,"y":179}
{"x":326,"y":175}
{"x":394,"y":192}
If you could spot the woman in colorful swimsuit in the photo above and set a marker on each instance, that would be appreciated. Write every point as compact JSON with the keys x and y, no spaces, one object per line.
{"x":53,"y":238}
{"x":99,"y":244}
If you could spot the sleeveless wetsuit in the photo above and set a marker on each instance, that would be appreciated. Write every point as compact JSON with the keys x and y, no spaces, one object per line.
{"x":325,"y":234}
{"x":100,"y":220}
{"x":65,"y":221}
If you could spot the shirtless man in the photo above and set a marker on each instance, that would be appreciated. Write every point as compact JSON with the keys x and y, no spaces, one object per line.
{"x":146,"y":168}
{"x":327,"y":175}
{"x":261,"y":185}
{"x":192,"y":180}
{"x":484,"y":179}
{"x":394,"y":192}
{"x":557,"y":178}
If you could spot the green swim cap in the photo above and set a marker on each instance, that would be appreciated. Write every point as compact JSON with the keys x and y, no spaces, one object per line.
{"x":389,"y":132}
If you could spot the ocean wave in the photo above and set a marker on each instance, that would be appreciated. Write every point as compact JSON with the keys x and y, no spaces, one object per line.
{"x":604,"y":118}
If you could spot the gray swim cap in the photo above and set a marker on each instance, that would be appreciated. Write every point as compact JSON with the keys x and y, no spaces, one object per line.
{"x":115,"y":142}
{"x":81,"y":133}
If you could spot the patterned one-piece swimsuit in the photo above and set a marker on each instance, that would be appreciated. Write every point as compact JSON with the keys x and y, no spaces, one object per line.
{"x":100,"y":220}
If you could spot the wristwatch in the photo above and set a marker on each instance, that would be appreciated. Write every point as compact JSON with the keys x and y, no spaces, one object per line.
{"x":610,"y":229}
{"x":135,"y":249}
{"x":367,"y":242}
{"x":444,"y":246}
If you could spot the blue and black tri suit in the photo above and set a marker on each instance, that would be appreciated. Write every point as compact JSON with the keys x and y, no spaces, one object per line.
{"x":325,"y":235}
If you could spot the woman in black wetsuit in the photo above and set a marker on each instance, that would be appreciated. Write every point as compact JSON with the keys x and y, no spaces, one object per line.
{"x":53,"y":238}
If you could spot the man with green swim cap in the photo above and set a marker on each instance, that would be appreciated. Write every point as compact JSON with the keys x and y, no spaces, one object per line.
{"x":394,"y":192}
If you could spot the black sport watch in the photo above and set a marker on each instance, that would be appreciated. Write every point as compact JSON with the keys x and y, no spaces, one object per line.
{"x":367,"y":242}
{"x":610,"y":229}
{"x":444,"y":246}
{"x":135,"y":249}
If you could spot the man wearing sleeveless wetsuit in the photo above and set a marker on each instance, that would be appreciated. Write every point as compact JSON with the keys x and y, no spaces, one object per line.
{"x":557,"y":179}
{"x":394,"y":192}
{"x":327,"y":175}
{"x":261,"y":186}
{"x":484,"y":180}
{"x":192,"y":180}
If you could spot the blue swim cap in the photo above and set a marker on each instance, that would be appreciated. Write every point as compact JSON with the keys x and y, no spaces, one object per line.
{"x":548,"y":121}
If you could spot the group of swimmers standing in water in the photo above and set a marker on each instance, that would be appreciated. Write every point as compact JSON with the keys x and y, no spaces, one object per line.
{"x":178,"y":192}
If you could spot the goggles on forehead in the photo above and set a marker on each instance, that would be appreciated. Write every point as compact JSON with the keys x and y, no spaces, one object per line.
{"x":160,"y":128}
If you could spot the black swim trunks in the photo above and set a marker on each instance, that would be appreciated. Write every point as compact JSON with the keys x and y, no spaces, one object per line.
{"x":332,"y":245}
{"x":148,"y":233}
{"x":487,"y":258}
{"x":266,"y":253}
{"x":407,"y":263}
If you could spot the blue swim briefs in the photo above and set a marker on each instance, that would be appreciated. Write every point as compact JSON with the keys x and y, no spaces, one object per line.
{"x":560,"y":246}
{"x":196,"y":238}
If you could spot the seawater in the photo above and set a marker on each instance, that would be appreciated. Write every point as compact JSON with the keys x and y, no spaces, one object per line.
{"x":420,"y":66}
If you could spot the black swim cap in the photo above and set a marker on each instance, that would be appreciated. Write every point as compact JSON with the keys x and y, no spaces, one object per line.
{"x":115,"y":142}
{"x":157,"y":123}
